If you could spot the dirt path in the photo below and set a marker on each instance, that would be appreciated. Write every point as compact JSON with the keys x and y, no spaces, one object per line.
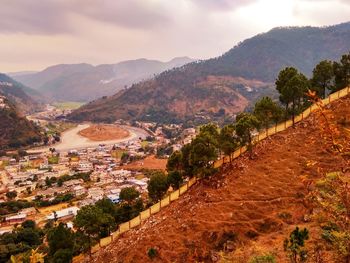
{"x":260,"y":201}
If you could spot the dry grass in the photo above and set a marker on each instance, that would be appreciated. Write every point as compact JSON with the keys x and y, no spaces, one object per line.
{"x":150,"y":162}
{"x":260,"y":200}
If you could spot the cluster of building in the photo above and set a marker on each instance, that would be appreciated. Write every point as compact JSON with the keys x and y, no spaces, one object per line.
{"x":158,"y":131}
{"x":41,"y":175}
{"x":5,"y":83}
{"x":29,"y":176}
{"x":52,"y":113}
{"x":3,"y":104}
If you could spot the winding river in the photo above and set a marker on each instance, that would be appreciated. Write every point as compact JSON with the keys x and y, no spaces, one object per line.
{"x":71,"y":139}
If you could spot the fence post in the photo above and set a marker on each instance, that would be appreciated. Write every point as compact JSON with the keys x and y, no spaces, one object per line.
{"x":129,"y":224}
{"x":188,"y":185}
{"x":179,"y":192}
{"x":150,"y":211}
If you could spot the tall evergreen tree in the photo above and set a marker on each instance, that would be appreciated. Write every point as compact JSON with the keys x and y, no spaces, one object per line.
{"x":246,"y":124}
{"x":342,"y":72}
{"x":228,"y":141}
{"x":323,"y":77}
{"x":267,"y":111}
{"x":93,"y":222}
{"x":292,"y":87}
{"x":204,"y":151}
{"x":175,"y":162}
{"x":129,"y":194}
{"x":157,"y":186}
{"x":60,"y":239}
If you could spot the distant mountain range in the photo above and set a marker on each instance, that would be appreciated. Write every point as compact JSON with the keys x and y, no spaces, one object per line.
{"x":228,"y":83}
{"x":84,"y":82}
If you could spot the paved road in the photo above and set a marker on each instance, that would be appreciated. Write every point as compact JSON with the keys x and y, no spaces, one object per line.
{"x":72,"y":140}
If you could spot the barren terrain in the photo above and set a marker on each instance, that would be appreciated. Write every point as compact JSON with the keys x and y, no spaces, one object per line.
{"x":150,"y":162}
{"x":103,"y":132}
{"x":248,"y":208}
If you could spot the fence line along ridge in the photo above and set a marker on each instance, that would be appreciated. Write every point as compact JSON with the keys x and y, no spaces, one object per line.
{"x":136,"y":221}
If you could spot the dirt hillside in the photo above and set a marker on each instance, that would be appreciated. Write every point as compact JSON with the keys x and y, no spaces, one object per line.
{"x":253,"y":204}
{"x":150,"y":162}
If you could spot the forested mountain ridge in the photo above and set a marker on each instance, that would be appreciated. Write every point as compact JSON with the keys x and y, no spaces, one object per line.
{"x":15,"y":130}
{"x":263,"y":56}
{"x":23,"y":97}
{"x":227,"y":83}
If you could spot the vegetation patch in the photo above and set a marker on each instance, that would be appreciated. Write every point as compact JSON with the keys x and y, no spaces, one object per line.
{"x":68,"y":105}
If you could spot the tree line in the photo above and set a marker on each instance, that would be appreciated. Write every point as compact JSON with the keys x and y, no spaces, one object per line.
{"x":198,"y":157}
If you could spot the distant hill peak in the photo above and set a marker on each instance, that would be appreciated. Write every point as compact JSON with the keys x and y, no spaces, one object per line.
{"x":207,"y":86}
{"x":84,"y":82}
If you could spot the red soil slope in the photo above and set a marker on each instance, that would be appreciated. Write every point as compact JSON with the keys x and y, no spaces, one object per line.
{"x":260,"y":200}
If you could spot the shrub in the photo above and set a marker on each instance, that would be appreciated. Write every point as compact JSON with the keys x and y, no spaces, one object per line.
{"x":267,"y":258}
{"x":251,"y":234}
{"x":294,"y":246}
{"x":152,"y":253}
{"x":29,"y":224}
{"x":11,"y":194}
{"x":63,"y":255}
{"x":225,"y":238}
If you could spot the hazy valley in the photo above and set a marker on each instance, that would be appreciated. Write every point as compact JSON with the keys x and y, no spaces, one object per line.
{"x":242,"y":157}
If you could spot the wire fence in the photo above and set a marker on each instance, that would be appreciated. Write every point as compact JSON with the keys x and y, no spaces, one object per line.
{"x":136,"y":221}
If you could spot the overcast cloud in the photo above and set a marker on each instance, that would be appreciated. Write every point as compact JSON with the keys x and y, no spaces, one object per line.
{"x":36,"y":34}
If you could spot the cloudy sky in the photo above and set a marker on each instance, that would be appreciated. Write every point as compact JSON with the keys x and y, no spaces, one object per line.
{"x":35,"y":34}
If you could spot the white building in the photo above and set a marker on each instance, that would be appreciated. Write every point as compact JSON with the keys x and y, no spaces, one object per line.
{"x":138,"y":183}
{"x":95,"y":193}
{"x":79,"y":190}
{"x":64,"y":213}
{"x":20,"y":217}
{"x":114,"y":198}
